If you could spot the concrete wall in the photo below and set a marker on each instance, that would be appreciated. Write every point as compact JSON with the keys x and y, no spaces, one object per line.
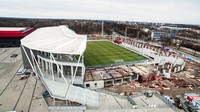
{"x":67,"y":108}
{"x":25,"y":59}
{"x":94,"y":84}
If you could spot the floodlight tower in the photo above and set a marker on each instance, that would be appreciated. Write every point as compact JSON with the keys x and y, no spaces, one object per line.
{"x":102,"y":28}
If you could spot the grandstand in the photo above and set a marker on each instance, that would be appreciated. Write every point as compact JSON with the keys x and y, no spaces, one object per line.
{"x":55,"y":54}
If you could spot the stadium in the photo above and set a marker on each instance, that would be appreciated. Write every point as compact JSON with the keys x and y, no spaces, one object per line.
{"x":67,"y":63}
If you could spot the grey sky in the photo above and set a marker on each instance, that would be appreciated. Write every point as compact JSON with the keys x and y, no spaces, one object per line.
{"x":174,"y":11}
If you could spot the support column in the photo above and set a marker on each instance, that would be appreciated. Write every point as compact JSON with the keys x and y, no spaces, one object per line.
{"x":33,"y":62}
{"x":49,"y":64}
{"x":167,"y":53}
{"x":171,"y":65}
{"x":175,"y":70}
{"x":158,"y":73}
{"x":45,"y":54}
{"x":83,"y":72}
{"x":179,"y":68}
{"x":182,"y":67}
{"x":61,"y":69}
{"x":170,"y":71}
{"x":58,"y":70}
{"x":39,"y":61}
{"x":46,"y":65}
{"x":42,"y":64}
{"x":164,"y":71}
{"x":163,"y":66}
{"x":157,"y":67}
{"x":52,"y":70}
{"x":54,"y":101}
{"x":113,"y":82}
{"x":72,"y":71}
{"x":137,"y":77}
{"x":61,"y":56}
{"x":168,"y":66}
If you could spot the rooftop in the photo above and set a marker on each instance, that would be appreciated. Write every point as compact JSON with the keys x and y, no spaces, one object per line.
{"x":56,"y":39}
{"x":12,"y":28}
{"x":15,"y":31}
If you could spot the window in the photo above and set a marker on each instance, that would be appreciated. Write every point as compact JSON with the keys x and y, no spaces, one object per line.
{"x":87,"y":85}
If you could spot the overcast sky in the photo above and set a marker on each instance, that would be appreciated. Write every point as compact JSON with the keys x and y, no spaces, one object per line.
{"x":173,"y":11}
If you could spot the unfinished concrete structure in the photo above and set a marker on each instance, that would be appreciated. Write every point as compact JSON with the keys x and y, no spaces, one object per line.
{"x":109,"y":76}
{"x":164,"y":58}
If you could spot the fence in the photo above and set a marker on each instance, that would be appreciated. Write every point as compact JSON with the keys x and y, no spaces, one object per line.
{"x":117,"y":64}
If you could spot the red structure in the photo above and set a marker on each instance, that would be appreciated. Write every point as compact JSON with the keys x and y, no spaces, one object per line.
{"x":10,"y":36}
{"x":118,"y":41}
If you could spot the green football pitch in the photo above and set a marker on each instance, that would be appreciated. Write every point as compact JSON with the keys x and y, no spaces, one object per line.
{"x":99,"y":52}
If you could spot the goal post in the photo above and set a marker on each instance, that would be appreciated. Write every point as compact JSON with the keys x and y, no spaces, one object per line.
{"x":119,"y":61}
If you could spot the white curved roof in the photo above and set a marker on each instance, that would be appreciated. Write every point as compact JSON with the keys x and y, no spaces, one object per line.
{"x":56,"y":39}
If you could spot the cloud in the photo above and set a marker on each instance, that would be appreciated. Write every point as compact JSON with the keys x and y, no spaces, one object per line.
{"x":179,"y":11}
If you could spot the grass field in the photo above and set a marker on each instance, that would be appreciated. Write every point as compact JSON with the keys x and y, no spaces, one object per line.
{"x":98,"y":53}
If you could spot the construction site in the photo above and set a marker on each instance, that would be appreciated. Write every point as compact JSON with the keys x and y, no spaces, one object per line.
{"x":165,"y":80}
{"x":167,"y":76}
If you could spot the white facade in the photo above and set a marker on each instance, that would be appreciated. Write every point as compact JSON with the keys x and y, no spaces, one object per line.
{"x":94,"y":84}
{"x":55,"y":54}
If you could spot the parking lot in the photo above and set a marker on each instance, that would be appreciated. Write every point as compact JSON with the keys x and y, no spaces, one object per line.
{"x":16,"y":94}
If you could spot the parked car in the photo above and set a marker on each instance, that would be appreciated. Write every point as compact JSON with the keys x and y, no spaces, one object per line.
{"x":23,"y":77}
{"x":13,"y":55}
{"x":21,"y":71}
{"x":45,"y":94}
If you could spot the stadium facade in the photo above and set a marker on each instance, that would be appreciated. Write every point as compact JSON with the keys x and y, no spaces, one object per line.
{"x":55,"y":55}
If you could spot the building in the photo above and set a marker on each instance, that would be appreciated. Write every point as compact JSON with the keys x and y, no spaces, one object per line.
{"x":158,"y":35}
{"x":108,"y":76}
{"x":144,"y":73}
{"x":10,"y":36}
{"x":56,"y":56}
{"x":173,"y":28}
{"x":193,"y":99}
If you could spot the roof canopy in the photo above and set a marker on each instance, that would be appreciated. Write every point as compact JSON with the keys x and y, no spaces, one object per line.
{"x":12,"y":28}
{"x":57,"y":39}
{"x":15,"y":31}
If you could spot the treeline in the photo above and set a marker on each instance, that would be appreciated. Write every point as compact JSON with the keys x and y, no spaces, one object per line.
{"x":191,"y":45}
{"x":185,"y":43}
{"x":79,"y":26}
